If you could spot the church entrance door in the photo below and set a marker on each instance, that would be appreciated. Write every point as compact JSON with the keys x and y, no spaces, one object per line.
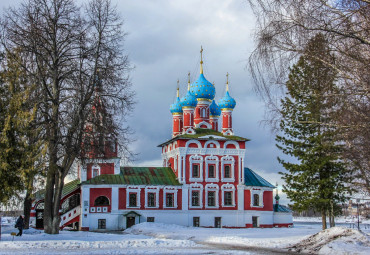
{"x":130,"y":222}
{"x":39,"y":218}
{"x":255,"y":221}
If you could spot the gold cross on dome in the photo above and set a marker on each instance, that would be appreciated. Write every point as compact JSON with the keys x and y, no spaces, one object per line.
{"x":188,"y":80}
{"x":201,"y":59}
{"x":201,"y":54}
{"x":227,"y":81}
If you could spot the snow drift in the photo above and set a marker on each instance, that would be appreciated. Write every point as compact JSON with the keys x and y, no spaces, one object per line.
{"x":336,"y":240}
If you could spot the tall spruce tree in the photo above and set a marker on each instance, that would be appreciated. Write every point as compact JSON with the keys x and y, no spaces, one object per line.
{"x":20,"y":149}
{"x":317,"y":177}
{"x":10,"y":175}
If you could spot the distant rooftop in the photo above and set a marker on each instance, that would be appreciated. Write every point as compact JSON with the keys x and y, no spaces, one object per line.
{"x":68,"y":188}
{"x":281,"y":208}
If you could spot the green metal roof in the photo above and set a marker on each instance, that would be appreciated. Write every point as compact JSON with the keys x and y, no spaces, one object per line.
{"x":281,"y":208}
{"x":199,"y":132}
{"x":68,"y":188}
{"x":253,"y":179}
{"x":138,"y":176}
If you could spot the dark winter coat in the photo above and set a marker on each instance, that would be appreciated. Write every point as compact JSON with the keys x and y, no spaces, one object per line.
{"x":19,"y":223}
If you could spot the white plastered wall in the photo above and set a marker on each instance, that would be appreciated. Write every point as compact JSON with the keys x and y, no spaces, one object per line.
{"x":283,"y":218}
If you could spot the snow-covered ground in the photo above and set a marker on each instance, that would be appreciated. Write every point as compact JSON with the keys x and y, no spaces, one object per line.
{"x":156,"y":238}
{"x":330,"y":242}
{"x":342,"y":219}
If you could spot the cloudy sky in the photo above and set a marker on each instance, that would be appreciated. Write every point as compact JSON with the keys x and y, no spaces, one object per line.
{"x":163,"y":43}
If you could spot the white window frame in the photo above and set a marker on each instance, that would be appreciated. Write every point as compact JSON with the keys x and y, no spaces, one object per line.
{"x":259,"y":192}
{"x":196,"y":159}
{"x":231,"y":188}
{"x":92,"y":209}
{"x":215,"y":188}
{"x":152,"y":190}
{"x":168,"y":190}
{"x":105,"y":209}
{"x":196,"y":187}
{"x":197,"y":167}
{"x":212,"y":160}
{"x":133,"y":190}
{"x":93,"y":167}
{"x":193,"y":192}
{"x":228,"y":160}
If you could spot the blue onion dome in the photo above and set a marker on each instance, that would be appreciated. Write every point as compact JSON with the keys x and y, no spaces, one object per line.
{"x":176,"y":106}
{"x":189,"y":100}
{"x":202,"y":88}
{"x":227,"y":102}
{"x":214,"y":109}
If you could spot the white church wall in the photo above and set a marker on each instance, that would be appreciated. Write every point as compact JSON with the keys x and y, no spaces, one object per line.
{"x":283,"y":218}
{"x":264,"y":217}
{"x":231,"y":218}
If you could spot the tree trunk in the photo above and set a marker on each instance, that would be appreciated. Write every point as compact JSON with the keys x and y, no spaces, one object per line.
{"x":48,"y":201}
{"x":323,"y":219}
{"x":59,"y":183}
{"x":329,"y":216}
{"x":332,"y":223}
{"x":52,"y":193}
{"x":27,"y":204}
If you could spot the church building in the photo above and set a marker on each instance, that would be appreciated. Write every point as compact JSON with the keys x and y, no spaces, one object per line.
{"x":204,"y":180}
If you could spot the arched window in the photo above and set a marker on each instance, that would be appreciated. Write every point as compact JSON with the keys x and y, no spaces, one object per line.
{"x":95,"y":172}
{"x":256,"y":200}
{"x":101,"y":201}
{"x":40,"y":206}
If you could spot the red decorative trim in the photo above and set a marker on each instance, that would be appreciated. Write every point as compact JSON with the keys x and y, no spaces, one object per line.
{"x":84,"y":229}
{"x":75,"y":219}
{"x":266,"y":226}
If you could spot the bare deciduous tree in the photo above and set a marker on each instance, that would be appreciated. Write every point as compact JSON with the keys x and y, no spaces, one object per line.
{"x":284,"y":27}
{"x":64,"y":47}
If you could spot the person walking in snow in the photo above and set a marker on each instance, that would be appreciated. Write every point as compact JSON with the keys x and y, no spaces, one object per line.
{"x":20,"y":225}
